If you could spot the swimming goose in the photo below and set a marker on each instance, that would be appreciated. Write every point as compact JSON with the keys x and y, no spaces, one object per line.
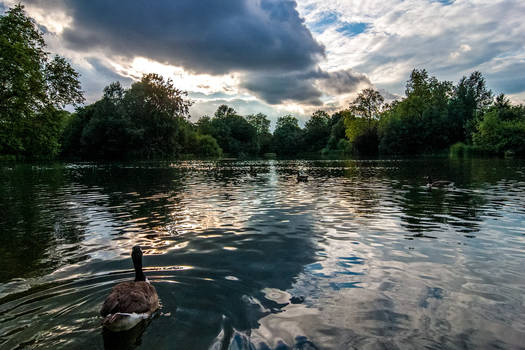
{"x":130,"y":302}
{"x":302,"y":177}
{"x":440,"y":183}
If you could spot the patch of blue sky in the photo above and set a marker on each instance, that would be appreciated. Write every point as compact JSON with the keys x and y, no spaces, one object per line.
{"x":310,"y":7}
{"x":508,"y":85}
{"x":352,"y":29}
{"x":325,"y":20}
{"x":444,"y":2}
{"x":344,"y":285}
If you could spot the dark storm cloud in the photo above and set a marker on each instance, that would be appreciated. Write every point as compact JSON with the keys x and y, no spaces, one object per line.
{"x":202,"y":36}
{"x":303,"y":87}
{"x":343,"y":81}
{"x":293,"y":86}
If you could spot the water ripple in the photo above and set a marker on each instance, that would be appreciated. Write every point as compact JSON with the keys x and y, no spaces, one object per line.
{"x":243,"y":256}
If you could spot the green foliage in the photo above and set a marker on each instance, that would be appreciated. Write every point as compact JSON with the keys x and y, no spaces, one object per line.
{"x":345,"y":146}
{"x":234,"y":134}
{"x":337,"y":129}
{"x":207,"y":146}
{"x":362,"y":121}
{"x":263,"y":140}
{"x":317,"y":131}
{"x":502,"y":130}
{"x":32,"y":89}
{"x":355,"y":127}
{"x":367,"y":105}
{"x":467,"y":105}
{"x":287,"y":137}
{"x":146,"y":121}
{"x":204,"y":125}
{"x":435,"y":115}
{"x":420,"y":123}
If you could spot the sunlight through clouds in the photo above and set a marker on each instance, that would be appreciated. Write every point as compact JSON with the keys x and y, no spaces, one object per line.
{"x":203,"y":83}
{"x":286,"y":56}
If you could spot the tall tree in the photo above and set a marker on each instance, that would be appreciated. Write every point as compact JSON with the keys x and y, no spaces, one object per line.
{"x":224,"y":111}
{"x":471,"y":98}
{"x":316,"y":131}
{"x":32,"y":88}
{"x":420,"y":122}
{"x":261,"y":123}
{"x":367,"y":105}
{"x":287,"y":136}
{"x":148,"y":120}
{"x":234,"y":134}
{"x":361,"y":124}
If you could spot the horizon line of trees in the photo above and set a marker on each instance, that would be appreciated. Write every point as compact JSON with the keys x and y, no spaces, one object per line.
{"x":151,"y":118}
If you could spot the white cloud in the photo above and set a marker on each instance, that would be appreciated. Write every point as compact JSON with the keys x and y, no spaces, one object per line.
{"x":391,"y":38}
{"x":449,"y":40}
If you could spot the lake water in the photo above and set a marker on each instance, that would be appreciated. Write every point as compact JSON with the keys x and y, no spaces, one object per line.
{"x":362,"y":256}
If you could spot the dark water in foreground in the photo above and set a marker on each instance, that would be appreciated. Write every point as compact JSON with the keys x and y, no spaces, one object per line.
{"x":380,"y":261}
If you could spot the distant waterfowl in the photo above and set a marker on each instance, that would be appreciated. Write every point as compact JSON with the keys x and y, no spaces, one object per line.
{"x":130,"y":302}
{"x":439,"y":183}
{"x":302,"y":177}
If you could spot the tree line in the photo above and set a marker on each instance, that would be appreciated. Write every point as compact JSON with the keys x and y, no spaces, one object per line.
{"x":150,"y":120}
{"x":435,"y":116}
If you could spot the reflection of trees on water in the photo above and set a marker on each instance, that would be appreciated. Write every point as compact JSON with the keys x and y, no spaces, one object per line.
{"x":35,"y":217}
{"x":425,"y":211}
{"x":461,"y":207}
{"x":236,"y":245}
{"x":241,"y":226}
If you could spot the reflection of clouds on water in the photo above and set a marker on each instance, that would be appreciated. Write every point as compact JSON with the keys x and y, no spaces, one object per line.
{"x":241,"y":240}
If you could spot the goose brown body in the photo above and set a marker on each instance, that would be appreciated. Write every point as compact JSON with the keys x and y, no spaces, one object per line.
{"x":130,"y":302}
{"x":131,"y":297}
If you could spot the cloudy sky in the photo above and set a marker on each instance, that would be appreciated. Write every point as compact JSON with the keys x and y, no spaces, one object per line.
{"x":280,"y":57}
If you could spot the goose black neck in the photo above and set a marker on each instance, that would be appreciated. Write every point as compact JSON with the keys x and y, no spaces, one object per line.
{"x":139,"y":274}
{"x":136,"y":255}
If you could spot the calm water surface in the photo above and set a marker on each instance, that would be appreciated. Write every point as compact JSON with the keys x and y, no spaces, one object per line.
{"x":362,"y":256}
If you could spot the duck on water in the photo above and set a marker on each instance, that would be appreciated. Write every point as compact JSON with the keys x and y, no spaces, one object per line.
{"x":302,"y":176}
{"x":439,"y":183}
{"x":130,"y":302}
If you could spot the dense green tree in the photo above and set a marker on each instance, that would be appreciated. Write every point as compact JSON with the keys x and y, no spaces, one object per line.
{"x":420,"y":122}
{"x":261,"y":123}
{"x":204,"y":125}
{"x":501,"y":129}
{"x":234,"y":134}
{"x":316,"y":131}
{"x":224,"y":111}
{"x":367,"y":105}
{"x":362,"y":122}
{"x":337,"y":129}
{"x":287,"y":137}
{"x":157,"y":111}
{"x":146,"y":121}
{"x":471,"y":97}
{"x":207,"y":146}
{"x":33,"y":89}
